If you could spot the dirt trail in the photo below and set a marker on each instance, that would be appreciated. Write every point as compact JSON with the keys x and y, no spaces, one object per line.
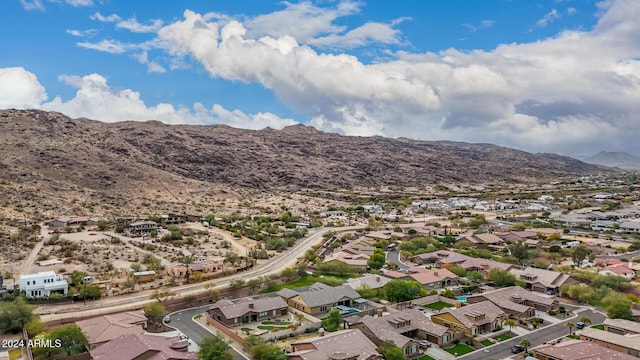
{"x":33,"y":255}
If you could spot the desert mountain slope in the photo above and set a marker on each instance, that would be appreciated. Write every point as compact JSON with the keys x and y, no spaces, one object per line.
{"x":621,"y":160}
{"x":133,"y":156}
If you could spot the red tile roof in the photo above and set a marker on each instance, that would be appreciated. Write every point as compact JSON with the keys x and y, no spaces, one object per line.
{"x":143,"y":346}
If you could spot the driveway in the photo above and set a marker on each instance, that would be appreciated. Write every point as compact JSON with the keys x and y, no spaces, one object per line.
{"x":394,"y":256}
{"x":182,"y":320}
{"x":502,"y":350}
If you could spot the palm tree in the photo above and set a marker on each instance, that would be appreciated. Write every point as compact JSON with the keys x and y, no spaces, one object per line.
{"x":510,"y":323}
{"x":570,"y":325}
{"x":586,"y":320}
{"x":525,"y":344}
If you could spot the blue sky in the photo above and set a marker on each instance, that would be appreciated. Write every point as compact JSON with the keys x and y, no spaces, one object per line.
{"x":543,"y":76}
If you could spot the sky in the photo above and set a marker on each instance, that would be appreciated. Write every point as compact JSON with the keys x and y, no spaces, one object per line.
{"x":560,"y":76}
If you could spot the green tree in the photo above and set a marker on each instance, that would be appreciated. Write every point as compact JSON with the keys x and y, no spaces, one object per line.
{"x":154,"y":310}
{"x":475,"y":276}
{"x":448,"y":293}
{"x":333,"y":320}
{"x":525,"y":343}
{"x":14,"y":316}
{"x":232,"y":257}
{"x":377,"y":259}
{"x":401,"y":290}
{"x":501,"y":278}
{"x":619,"y":309}
{"x":186,"y":261}
{"x":268,"y":352}
{"x":288,"y":273}
{"x":213,"y":293}
{"x":103,"y":225}
{"x":580,"y":253}
{"x":520,"y":251}
{"x":390,"y":351}
{"x":459,"y":270}
{"x":162,"y":294}
{"x":214,"y":348}
{"x":586,"y":320}
{"x":72,"y":339}
{"x":151,"y":262}
{"x":254,"y":284}
{"x":77,"y":277}
{"x":89,"y":291}
{"x":570,"y":325}
{"x":237,"y":284}
{"x":510,"y":323}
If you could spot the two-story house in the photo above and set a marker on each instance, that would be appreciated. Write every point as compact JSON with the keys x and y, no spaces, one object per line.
{"x":43,"y":284}
{"x":472,"y":319}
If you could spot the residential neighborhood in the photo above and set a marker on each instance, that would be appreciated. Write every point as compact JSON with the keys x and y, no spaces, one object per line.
{"x":447,"y":285}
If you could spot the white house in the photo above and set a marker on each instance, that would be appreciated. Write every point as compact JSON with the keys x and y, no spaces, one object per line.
{"x":43,"y":284}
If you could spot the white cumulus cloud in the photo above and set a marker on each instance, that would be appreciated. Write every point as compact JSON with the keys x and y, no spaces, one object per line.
{"x":20,"y":89}
{"x":95,"y":99}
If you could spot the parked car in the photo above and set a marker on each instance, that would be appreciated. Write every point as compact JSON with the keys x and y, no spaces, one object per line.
{"x":166,"y":320}
{"x":515,"y":349}
{"x":425,"y":343}
{"x":580,"y":325}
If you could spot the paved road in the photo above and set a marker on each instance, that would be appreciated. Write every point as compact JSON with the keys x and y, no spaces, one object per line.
{"x":128,"y":302}
{"x":503,"y":350}
{"x":628,"y":255}
{"x":182,"y":320}
{"x":394,"y":256}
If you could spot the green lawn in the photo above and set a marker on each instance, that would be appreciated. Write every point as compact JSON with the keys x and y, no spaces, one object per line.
{"x":309,"y":280}
{"x":274,"y":323}
{"x":425,"y":357}
{"x":246,"y":329}
{"x":339,"y":276}
{"x":503,"y":337}
{"x":486,"y":342}
{"x":438,"y":305}
{"x":459,"y":349}
{"x":573,"y":336}
{"x":599,"y":326}
{"x":270,"y":327}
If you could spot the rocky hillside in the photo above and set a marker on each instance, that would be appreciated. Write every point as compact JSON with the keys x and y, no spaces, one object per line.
{"x":126,"y":157}
{"x":621,"y":160}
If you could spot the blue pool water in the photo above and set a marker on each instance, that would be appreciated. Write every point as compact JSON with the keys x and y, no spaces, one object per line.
{"x":461,"y":298}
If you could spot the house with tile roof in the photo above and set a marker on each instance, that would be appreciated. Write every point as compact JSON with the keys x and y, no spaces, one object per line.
{"x":405,"y":328}
{"x":484,"y":240}
{"x":440,"y":258}
{"x":247,"y":310}
{"x":541,"y":280}
{"x":472,"y":319}
{"x":372,"y":281}
{"x":623,"y":270}
{"x":319,"y":298}
{"x":433,"y":278}
{"x":516,"y":301}
{"x":101,"y":329}
{"x":621,"y":326}
{"x":143,"y":346}
{"x":627,"y":344}
{"x":577,"y":350}
{"x":340,"y":345}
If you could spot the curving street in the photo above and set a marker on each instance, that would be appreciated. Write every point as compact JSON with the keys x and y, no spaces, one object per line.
{"x":502,"y":350}
{"x":139,"y":300}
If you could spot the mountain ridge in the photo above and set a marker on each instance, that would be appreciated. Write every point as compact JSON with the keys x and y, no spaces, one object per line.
{"x":616,"y":159}
{"x":105,"y":156}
